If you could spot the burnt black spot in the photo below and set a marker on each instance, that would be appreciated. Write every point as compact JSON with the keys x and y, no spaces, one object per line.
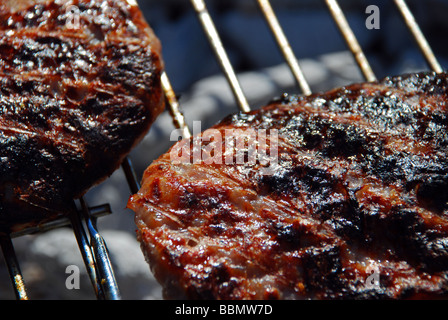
{"x":327,"y":137}
{"x":389,"y":168}
{"x":6,"y":51}
{"x":322,"y":268}
{"x":404,"y":233}
{"x":288,"y":235}
{"x":345,"y":141}
{"x":322,"y":193}
{"x":217,"y":229}
{"x":220,"y":273}
{"x":294,"y":181}
{"x":433,"y":193}
{"x":344,"y":217}
{"x":312,"y":140}
{"x":189,"y":200}
{"x":77,"y":93}
{"x":281,"y":182}
{"x":407,"y":169}
{"x":216,"y":283}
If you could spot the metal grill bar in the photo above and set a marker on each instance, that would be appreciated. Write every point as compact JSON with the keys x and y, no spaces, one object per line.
{"x":350,"y":39}
{"x":104,"y":270}
{"x":418,"y":36}
{"x":131,"y":176}
{"x":13,"y":267}
{"x":86,"y":251}
{"x":96,"y":212}
{"x":221,"y":55}
{"x":284,"y":45}
{"x":176,"y":114}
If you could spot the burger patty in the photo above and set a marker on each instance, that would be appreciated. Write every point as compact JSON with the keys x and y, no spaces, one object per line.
{"x":80,"y":86}
{"x":344,"y":197}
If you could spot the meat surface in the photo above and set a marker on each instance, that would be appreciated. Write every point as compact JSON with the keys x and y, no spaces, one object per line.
{"x":80,"y":86}
{"x":351,"y":204}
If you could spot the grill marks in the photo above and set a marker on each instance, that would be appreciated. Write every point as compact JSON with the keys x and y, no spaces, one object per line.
{"x":404,"y":145}
{"x":73,"y":102}
{"x":396,"y":153}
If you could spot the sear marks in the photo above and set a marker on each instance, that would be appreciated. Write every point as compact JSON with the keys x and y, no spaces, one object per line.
{"x":74,"y":100}
{"x":358,"y":188}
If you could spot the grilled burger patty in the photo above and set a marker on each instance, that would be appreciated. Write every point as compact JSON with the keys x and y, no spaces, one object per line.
{"x":79,"y":88}
{"x":354,"y":205}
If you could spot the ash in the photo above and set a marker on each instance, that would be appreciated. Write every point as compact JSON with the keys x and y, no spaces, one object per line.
{"x":205,"y":95}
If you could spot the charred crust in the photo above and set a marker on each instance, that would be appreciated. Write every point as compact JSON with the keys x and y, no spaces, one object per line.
{"x":433,"y":193}
{"x":361,"y":177}
{"x":73,"y":101}
{"x":322,"y":268}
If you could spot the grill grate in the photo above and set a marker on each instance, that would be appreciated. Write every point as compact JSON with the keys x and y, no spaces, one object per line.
{"x":83,"y":221}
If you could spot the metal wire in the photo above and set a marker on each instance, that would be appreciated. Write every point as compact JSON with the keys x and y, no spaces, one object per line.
{"x":350,"y":39}
{"x":422,"y":43}
{"x":221,"y":55}
{"x":12,"y":263}
{"x":284,"y":45}
{"x":86,"y":252}
{"x":131,"y":176}
{"x":103,"y":266}
{"x":72,"y":219}
{"x":95,"y":211}
{"x":174,"y":108}
{"x":94,"y":254}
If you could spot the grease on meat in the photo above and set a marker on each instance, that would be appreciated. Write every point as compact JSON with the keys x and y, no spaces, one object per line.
{"x":79,"y":87}
{"x":360,"y":186}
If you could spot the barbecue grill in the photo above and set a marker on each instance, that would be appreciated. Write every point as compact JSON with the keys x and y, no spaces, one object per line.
{"x":83,"y":217}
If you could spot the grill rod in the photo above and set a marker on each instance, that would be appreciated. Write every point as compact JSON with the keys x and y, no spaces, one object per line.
{"x":176,"y":113}
{"x":94,"y":253}
{"x":350,"y":39}
{"x":284,"y":45}
{"x":221,"y":55}
{"x":422,"y":43}
{"x":12,"y":263}
{"x":86,"y":252}
{"x":96,"y":212}
{"x":105,"y":274}
{"x":131,"y":176}
{"x":356,"y":50}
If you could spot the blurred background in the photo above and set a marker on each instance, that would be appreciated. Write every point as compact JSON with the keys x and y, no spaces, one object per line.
{"x":204,"y":95}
